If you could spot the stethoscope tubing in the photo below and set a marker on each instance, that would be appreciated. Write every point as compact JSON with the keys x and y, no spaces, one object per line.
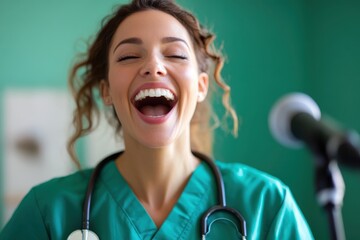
{"x":218,"y":177}
{"x":204,"y":227}
{"x":91,"y":187}
{"x":221,"y":198}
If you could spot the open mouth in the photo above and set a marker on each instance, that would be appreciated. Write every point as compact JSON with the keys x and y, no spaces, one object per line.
{"x":154,"y":102}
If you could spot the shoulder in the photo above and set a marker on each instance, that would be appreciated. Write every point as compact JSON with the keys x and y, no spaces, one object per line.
{"x":243,"y":176}
{"x":61,"y":188}
{"x":72,"y":181}
{"x":257,"y":190}
{"x":264,"y":199}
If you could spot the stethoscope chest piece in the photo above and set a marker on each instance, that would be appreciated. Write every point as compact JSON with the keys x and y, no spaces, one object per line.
{"x":83,"y":235}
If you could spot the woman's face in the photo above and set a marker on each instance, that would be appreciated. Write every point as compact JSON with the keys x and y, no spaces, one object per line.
{"x":153,"y":80}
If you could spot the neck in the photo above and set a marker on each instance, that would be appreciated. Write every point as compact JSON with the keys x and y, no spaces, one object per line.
{"x":157,"y":175}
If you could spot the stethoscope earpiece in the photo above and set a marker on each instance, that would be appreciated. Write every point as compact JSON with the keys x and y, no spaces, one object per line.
{"x":83,"y":235}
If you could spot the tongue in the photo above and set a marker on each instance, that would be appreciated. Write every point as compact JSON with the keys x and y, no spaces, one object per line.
{"x":155,"y":111}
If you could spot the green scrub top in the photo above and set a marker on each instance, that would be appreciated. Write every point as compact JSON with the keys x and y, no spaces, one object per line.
{"x":53,"y":209}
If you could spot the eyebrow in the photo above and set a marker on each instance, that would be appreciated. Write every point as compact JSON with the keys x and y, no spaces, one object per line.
{"x":174,"y":39}
{"x":132,"y":40}
{"x":138,"y":41}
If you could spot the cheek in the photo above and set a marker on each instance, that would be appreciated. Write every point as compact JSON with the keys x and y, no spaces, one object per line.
{"x":188,"y":75}
{"x":119,"y":82}
{"x":191,"y":81}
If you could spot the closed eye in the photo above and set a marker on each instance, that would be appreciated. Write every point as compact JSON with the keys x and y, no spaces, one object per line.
{"x":124,"y":58}
{"x":183,"y":57}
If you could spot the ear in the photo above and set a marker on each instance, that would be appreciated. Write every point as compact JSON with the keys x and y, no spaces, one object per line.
{"x":203,"y":86}
{"x":105,"y":92}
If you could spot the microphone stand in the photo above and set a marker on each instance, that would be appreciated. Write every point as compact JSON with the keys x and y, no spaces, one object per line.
{"x":330,"y":190}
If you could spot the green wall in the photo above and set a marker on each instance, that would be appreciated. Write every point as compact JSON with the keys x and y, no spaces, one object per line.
{"x":272,"y":47}
{"x":333,"y":78}
{"x":38,"y":42}
{"x":276,"y":47}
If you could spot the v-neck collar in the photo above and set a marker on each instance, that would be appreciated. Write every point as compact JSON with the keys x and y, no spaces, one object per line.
{"x":181,"y":216}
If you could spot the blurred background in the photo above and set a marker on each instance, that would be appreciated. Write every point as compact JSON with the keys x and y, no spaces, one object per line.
{"x":273,"y":48}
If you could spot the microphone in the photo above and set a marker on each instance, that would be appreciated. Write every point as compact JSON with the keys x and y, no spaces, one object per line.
{"x":295,"y":120}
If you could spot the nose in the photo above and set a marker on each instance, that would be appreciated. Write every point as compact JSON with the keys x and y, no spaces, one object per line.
{"x":153,"y":67}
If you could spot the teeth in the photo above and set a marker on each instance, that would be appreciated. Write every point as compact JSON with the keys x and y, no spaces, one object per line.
{"x":157,"y":92}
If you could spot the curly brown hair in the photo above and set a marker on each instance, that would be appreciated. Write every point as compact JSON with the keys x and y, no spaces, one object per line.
{"x":86,"y":75}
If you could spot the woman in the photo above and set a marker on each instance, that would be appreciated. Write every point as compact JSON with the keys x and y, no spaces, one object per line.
{"x":152,"y":64}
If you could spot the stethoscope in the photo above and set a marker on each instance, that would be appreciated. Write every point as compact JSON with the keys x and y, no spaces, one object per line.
{"x":86,"y":234}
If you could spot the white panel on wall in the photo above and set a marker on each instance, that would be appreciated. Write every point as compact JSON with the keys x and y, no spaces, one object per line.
{"x":36,"y":128}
